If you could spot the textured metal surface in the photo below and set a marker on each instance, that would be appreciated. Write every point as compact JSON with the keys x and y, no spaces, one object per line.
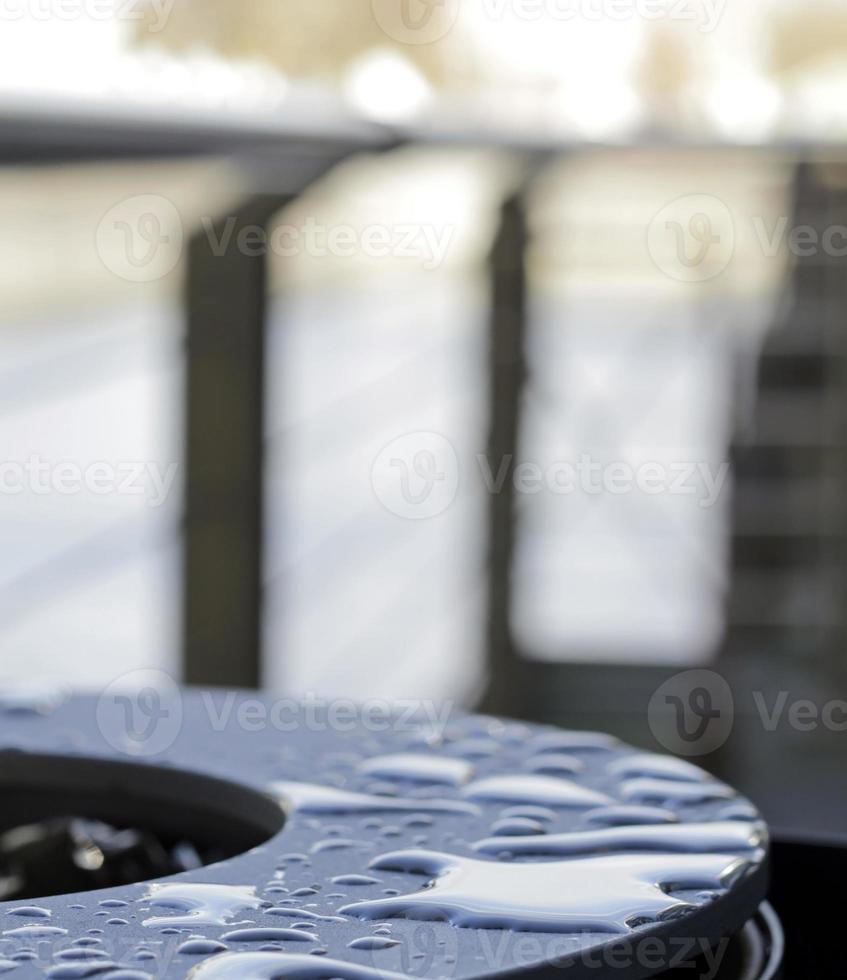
{"x":163,"y":743}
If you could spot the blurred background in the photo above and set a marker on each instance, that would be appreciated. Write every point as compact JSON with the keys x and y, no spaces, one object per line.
{"x":542,"y":358}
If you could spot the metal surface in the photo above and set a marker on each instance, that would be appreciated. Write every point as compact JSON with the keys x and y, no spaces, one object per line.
{"x":187,"y":763}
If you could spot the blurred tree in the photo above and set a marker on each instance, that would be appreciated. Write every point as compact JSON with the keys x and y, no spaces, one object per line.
{"x":807,"y":36}
{"x":303,"y":38}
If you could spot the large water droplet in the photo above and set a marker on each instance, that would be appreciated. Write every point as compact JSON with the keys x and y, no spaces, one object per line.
{"x":534,"y":789}
{"x":625,"y":815}
{"x":308,"y":798}
{"x":31,"y":912}
{"x":202,"y":947}
{"x":285,"y":966}
{"x":597,"y":894}
{"x":373,"y":942}
{"x":200,"y":903}
{"x":683,"y":837}
{"x":668,"y":790}
{"x":265,"y":934}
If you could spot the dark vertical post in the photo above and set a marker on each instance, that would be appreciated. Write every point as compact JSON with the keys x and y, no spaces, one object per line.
{"x":224,"y":431}
{"x":507,"y":367}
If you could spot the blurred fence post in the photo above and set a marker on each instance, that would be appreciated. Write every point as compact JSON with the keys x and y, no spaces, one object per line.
{"x":507,"y":377}
{"x":224,"y":431}
{"x":788,"y":506}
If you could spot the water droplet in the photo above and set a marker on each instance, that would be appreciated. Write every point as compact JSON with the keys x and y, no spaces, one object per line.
{"x":294,"y":859}
{"x":200,"y":903}
{"x":303,"y":914}
{"x":556,"y":764}
{"x":419,"y":768}
{"x":373,"y":942}
{"x":264,"y":934}
{"x":418,"y":820}
{"x":687,"y":838}
{"x":307,"y":798}
{"x":355,"y":879}
{"x":534,"y":789}
{"x":291,"y":966}
{"x":31,"y":912}
{"x":668,"y":790}
{"x":35,"y":932}
{"x":614,"y":816}
{"x":201,"y":947}
{"x":338,"y":844}
{"x":517,"y":826}
{"x":596,"y":894}
{"x":123,"y":973}
{"x":658,"y":766}
{"x":574,"y":742}
{"x":81,"y":954}
{"x":78,"y":971}
{"x":542,"y":813}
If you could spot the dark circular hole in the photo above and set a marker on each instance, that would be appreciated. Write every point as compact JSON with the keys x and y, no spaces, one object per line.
{"x":74,"y":824}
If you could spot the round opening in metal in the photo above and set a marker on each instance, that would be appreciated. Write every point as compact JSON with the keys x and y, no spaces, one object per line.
{"x":74,"y":824}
